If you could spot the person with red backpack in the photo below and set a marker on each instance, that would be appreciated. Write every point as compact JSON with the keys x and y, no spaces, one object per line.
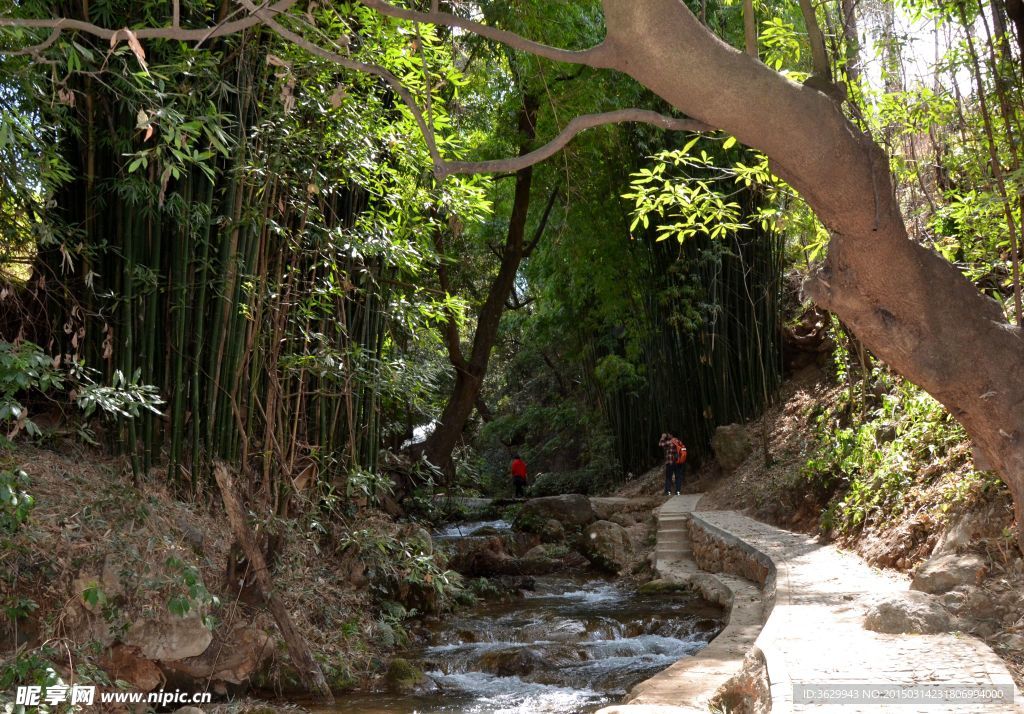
{"x":675,"y":463}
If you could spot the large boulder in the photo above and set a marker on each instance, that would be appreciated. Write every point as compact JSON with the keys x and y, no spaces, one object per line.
{"x":476,"y":557}
{"x":123,"y":662}
{"x":487,"y":557}
{"x":942,"y":573}
{"x":571,"y":510}
{"x":910,"y":612}
{"x":732,"y":445}
{"x":169,"y":636}
{"x":84,"y":626}
{"x":552,"y":531}
{"x":403,"y":676}
{"x":233,"y":658}
{"x":607,"y":545}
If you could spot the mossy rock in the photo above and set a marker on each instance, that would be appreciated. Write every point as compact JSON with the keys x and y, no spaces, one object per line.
{"x":607,"y":546}
{"x":550,"y":551}
{"x":662,"y":586}
{"x":403,"y":675}
{"x":465,"y":598}
{"x":528,"y":522}
{"x":572,"y":510}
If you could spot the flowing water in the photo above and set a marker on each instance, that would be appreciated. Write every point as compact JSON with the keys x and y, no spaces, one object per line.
{"x":572,"y":645}
{"x":466,"y":530}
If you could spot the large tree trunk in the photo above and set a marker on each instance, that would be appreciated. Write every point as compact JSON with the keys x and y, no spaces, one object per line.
{"x":469,"y":373}
{"x":912,"y":308}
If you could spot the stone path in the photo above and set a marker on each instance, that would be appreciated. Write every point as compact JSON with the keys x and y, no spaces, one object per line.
{"x":813,"y":642}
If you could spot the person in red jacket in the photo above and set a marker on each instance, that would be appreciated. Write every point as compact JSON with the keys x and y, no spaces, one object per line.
{"x":518,"y":469}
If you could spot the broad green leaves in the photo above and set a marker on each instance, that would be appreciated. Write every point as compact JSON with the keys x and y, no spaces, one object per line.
{"x":783,"y":47}
{"x":690,"y":192}
{"x":685,"y":194}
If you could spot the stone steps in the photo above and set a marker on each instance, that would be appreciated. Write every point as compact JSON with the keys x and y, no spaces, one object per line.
{"x":689,"y":684}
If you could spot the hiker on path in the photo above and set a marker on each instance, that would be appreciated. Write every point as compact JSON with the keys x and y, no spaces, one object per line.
{"x":675,"y":463}
{"x":518,"y":469}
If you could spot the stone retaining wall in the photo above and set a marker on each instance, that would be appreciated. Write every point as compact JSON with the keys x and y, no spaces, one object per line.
{"x":730,"y":673}
{"x":714,"y":555}
{"x":716,"y":551}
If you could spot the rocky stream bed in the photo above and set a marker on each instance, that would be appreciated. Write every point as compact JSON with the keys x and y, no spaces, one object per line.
{"x":572,"y":641}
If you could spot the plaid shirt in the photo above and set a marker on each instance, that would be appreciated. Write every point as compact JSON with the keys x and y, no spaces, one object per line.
{"x":671,"y":451}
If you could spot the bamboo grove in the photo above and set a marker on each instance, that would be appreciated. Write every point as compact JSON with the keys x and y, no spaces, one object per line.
{"x":230,"y":227}
{"x":720,"y":364}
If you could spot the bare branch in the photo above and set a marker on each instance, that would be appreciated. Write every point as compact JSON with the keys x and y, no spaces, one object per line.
{"x":750,"y":28}
{"x":428,"y":93}
{"x":539,"y":233}
{"x":576,"y":126}
{"x":593,"y":57}
{"x":818,"y":53}
{"x":443,"y":168}
{"x":147,"y":33}
{"x":34,"y":49}
{"x":516,"y":303}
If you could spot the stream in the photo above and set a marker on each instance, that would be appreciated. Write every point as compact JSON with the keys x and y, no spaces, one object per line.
{"x":574,"y":644}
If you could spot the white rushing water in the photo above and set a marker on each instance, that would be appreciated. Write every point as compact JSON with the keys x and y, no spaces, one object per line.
{"x":571,"y":645}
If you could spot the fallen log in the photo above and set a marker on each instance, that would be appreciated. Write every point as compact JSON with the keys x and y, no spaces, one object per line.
{"x":310,"y":672}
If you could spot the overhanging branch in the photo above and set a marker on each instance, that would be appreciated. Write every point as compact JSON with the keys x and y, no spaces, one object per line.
{"x":442,"y":167}
{"x":34,"y":50}
{"x":577,"y":125}
{"x":375,"y":70}
{"x":539,"y":233}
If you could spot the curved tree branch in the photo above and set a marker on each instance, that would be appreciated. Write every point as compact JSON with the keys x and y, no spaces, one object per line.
{"x":442,"y":167}
{"x":593,"y":57}
{"x":34,"y":50}
{"x":574,"y":127}
{"x":266,"y":14}
{"x":817,"y":41}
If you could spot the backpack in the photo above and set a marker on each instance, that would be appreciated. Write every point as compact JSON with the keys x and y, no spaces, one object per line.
{"x":680,"y":451}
